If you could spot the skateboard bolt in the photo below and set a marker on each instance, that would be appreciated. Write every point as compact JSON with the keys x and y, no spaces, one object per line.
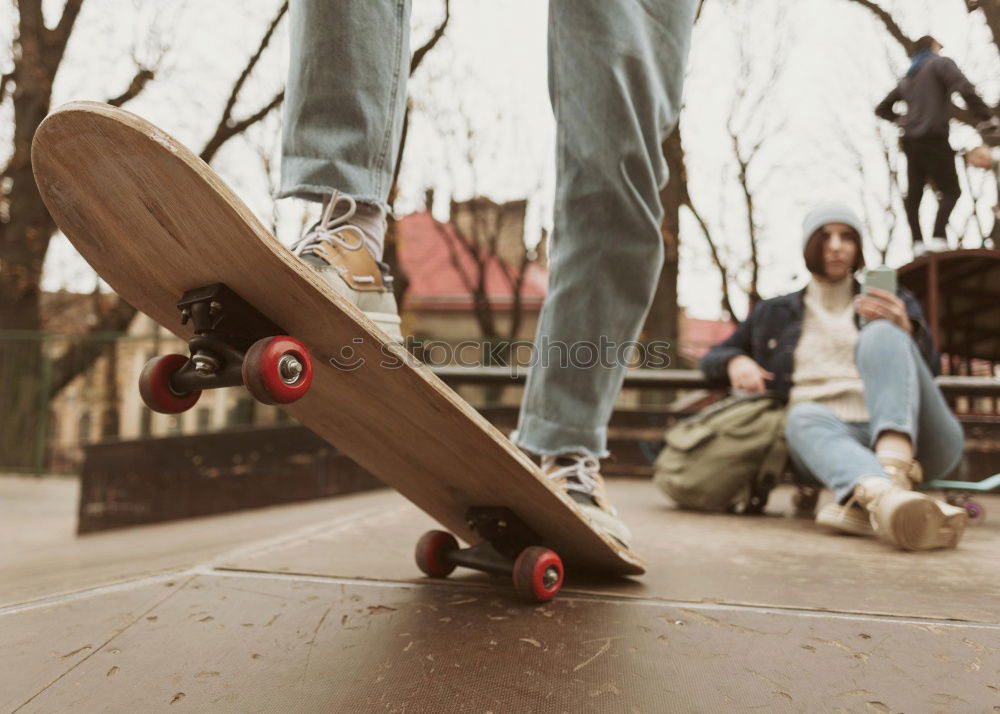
{"x":205,"y":364}
{"x":550,"y":576}
{"x":214,"y":307}
{"x":290,"y":369}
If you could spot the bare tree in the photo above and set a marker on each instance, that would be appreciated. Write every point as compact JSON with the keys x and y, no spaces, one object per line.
{"x":717,"y":259}
{"x":26,"y":228}
{"x":479,"y":238}
{"x":391,"y":254}
{"x":483,"y":238}
{"x":749,"y":128}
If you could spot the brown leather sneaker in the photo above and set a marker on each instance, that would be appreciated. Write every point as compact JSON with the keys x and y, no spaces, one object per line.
{"x":580,"y":476}
{"x":336,"y":250}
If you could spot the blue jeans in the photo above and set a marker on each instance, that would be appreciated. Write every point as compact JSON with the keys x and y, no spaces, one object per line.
{"x":901,"y":396}
{"x":615,"y":74}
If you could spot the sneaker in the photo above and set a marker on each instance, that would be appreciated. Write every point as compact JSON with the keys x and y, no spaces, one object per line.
{"x":336,"y":250}
{"x":580,"y":476}
{"x":909,"y":520}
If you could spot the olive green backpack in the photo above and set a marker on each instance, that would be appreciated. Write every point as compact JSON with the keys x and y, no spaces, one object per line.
{"x":727,"y":457}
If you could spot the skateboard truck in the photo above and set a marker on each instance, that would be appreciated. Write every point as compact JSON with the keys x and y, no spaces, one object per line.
{"x":507,"y":549}
{"x":233,"y":344}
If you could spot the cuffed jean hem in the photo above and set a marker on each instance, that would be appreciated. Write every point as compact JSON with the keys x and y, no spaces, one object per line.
{"x":879,"y":428}
{"x":312,"y":179}
{"x":547,"y":438}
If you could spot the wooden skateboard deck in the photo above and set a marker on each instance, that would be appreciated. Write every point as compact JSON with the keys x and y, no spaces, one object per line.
{"x":155,"y":221}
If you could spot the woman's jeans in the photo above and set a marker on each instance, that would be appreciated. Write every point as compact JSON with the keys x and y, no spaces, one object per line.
{"x":615,"y":74}
{"x":901,"y":397}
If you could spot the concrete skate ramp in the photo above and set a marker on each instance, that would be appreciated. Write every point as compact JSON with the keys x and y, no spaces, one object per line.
{"x":769,"y":561}
{"x":736,"y":614}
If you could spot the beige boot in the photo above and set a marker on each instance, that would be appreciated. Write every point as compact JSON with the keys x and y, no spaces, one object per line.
{"x":852,"y":517}
{"x":909,"y":520}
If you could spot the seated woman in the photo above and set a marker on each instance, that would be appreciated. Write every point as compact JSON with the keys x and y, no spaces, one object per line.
{"x":864,"y":412}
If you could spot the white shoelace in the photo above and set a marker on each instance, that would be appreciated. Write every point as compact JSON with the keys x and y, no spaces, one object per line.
{"x":329,"y":229}
{"x":585,"y":469}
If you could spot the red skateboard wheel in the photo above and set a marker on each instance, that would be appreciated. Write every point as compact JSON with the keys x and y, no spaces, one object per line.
{"x":431,"y":553}
{"x":538,"y":574}
{"x":155,"y":389}
{"x":277,"y":370}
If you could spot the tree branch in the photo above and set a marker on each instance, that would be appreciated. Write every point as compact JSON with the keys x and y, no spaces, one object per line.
{"x":251,"y":63}
{"x":422,"y":51}
{"x":142,"y":77}
{"x":701,"y":6}
{"x":64,"y":28}
{"x":716,"y":258}
{"x":4,"y":81}
{"x":890,"y":23}
{"x":82,"y":353}
{"x":415,"y":61}
{"x":224,"y":133}
{"x":448,"y":237}
{"x":227,"y":126}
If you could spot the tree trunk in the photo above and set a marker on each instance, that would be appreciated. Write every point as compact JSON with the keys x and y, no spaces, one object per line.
{"x":662,"y":322}
{"x":24,"y":238}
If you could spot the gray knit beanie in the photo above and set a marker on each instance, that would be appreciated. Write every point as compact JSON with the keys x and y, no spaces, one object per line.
{"x":829,"y":213}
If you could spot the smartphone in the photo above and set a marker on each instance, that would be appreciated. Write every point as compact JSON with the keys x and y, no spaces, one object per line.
{"x":882,"y":277}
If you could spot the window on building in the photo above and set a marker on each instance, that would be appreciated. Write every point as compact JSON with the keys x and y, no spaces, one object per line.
{"x":204,"y":417}
{"x":83,"y":435}
{"x":241,"y":412}
{"x":109,"y":422}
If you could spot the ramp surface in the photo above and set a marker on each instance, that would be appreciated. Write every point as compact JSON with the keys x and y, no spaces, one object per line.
{"x":736,"y":614}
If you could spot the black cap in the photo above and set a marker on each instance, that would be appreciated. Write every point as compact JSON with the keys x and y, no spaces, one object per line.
{"x":924,"y":43}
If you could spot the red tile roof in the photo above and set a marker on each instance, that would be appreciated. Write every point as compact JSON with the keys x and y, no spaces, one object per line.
{"x":436,"y":276}
{"x":699,"y":336}
{"x":436,"y":282}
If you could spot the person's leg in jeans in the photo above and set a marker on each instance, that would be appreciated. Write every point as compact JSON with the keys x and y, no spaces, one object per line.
{"x":941,"y":170}
{"x":343,"y":117}
{"x":915,"y":180}
{"x":902,"y":399}
{"x":345,"y":98}
{"x":615,"y":73}
{"x":834,"y":452}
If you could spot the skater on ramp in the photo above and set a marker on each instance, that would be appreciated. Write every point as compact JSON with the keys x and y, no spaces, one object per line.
{"x":926,"y":89}
{"x":615,"y":76}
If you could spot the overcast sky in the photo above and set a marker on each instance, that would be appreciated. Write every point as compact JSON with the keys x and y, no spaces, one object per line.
{"x":835,"y":63}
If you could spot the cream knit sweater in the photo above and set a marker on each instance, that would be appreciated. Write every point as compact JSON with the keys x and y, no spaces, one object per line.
{"x":824,"y":358}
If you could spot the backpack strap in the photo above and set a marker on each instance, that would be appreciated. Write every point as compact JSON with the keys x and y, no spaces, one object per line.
{"x":771,"y":469}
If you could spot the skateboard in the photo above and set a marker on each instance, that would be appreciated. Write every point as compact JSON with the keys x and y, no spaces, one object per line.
{"x":959,"y":493}
{"x":173,"y":240}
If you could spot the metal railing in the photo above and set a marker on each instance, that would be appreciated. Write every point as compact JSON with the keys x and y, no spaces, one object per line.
{"x":43,"y":429}
{"x":686,"y":379}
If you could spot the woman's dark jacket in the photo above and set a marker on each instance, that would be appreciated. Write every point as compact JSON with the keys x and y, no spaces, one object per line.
{"x":772,"y":332}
